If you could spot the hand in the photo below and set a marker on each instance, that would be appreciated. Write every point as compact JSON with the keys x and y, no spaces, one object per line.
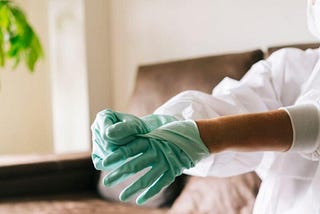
{"x":165,"y":152}
{"x":120,"y":123}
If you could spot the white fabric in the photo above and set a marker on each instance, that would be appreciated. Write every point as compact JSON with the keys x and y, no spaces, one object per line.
{"x":291,"y":181}
{"x":313,"y":15}
{"x":305,"y":124}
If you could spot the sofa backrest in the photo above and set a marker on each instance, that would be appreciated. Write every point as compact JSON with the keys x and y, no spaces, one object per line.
{"x":157,"y":83}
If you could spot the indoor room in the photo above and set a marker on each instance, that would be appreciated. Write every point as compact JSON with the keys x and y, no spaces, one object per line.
{"x":158,"y":106}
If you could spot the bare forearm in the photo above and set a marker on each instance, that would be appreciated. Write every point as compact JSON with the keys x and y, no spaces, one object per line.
{"x":268,"y":131}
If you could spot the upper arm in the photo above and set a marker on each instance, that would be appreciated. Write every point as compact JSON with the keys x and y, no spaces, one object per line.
{"x":271,"y":83}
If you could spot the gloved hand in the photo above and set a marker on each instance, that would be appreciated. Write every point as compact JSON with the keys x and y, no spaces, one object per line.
{"x":166,"y":151}
{"x":120,"y":123}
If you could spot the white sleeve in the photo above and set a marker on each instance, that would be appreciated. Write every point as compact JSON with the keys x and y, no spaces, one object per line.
{"x":305,"y":120}
{"x":269,"y":84}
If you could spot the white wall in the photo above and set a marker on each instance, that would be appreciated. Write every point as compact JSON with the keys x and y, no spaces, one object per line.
{"x":97,"y":25}
{"x":146,"y":31}
{"x":51,"y":110}
{"x":68,"y":68}
{"x":79,"y":39}
{"x":25,"y":106}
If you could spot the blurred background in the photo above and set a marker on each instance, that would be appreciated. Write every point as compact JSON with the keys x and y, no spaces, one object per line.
{"x":93,"y":47}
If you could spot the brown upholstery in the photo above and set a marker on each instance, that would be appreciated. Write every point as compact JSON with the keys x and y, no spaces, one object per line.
{"x":81,"y":203}
{"x":157,"y":83}
{"x":25,"y":181}
{"x":47,"y":174}
{"x":218,"y":195}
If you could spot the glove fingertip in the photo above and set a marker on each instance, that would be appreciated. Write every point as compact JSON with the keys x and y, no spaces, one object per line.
{"x":123,"y":197}
{"x":113,"y":132}
{"x":107,"y":182}
{"x":120,"y":133}
{"x":140,"y":201}
{"x":112,"y":161}
{"x":97,"y":163}
{"x":127,"y":193}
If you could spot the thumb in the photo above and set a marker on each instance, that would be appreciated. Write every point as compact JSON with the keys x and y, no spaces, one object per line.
{"x":123,"y":132}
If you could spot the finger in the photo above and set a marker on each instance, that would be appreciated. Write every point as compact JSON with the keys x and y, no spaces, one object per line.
{"x":166,"y":179}
{"x":128,"y":169}
{"x":97,"y":162}
{"x":125,"y":152}
{"x":102,"y":145}
{"x":110,"y":115}
{"x":103,"y":120}
{"x":123,"y":132}
{"x":98,"y":148}
{"x":98,"y":136}
{"x":143,"y":182}
{"x":111,"y":147}
{"x":98,"y":154}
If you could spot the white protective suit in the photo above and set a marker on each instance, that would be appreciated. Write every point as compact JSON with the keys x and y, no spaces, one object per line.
{"x":289,"y":78}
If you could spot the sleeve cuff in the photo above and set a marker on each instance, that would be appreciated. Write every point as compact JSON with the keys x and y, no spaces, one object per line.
{"x":305,"y":124}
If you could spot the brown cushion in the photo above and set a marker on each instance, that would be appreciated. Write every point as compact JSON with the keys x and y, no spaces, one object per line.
{"x":80,"y":203}
{"x":218,"y":195}
{"x":28,"y":175}
{"x":157,"y":83}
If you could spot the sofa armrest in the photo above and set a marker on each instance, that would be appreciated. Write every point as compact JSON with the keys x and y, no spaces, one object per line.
{"x":45,"y":174}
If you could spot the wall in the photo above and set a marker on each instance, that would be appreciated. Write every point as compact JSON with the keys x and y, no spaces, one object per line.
{"x":25,"y":106}
{"x":147,"y":31}
{"x":79,"y":69}
{"x":68,"y":68}
{"x":97,"y":24}
{"x":52,"y":109}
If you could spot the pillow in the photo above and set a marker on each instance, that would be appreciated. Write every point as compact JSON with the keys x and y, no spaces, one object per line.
{"x":157,"y":83}
{"x":218,"y":195}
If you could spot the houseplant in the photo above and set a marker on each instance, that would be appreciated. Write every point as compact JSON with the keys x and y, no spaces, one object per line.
{"x":18,"y":41}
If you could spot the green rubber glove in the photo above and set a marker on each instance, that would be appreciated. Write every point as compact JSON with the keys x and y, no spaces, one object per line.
{"x":120,"y":123}
{"x":165,"y":151}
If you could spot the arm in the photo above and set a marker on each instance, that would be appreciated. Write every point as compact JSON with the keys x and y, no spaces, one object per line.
{"x":247,"y":132}
{"x":268,"y":85}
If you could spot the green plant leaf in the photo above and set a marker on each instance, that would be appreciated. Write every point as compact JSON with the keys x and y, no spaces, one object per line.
{"x":18,"y":41}
{"x":2,"y":55}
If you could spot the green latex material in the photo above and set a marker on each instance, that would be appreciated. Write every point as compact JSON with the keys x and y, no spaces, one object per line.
{"x":165,"y":151}
{"x":120,"y":123}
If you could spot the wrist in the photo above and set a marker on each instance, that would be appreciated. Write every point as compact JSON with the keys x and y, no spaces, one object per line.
{"x":211,"y":131}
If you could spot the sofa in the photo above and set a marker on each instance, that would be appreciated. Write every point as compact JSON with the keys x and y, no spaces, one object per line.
{"x":67,"y":183}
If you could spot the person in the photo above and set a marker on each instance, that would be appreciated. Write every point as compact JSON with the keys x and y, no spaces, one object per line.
{"x":268,"y":122}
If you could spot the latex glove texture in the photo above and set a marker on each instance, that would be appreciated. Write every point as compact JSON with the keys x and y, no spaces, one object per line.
{"x":165,"y":152}
{"x":126,"y":126}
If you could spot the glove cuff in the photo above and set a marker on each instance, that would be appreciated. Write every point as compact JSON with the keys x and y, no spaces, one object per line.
{"x":154,"y":121}
{"x":185,"y":135}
